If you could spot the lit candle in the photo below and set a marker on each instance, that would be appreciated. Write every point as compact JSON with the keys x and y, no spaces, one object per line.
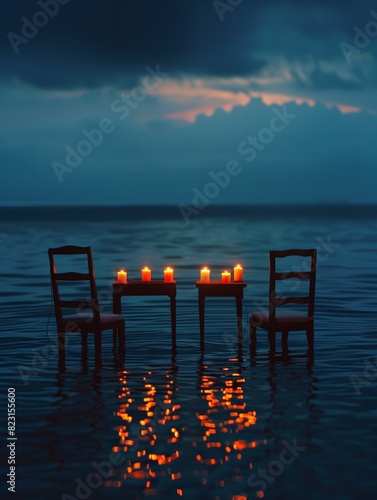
{"x":238,"y":273}
{"x":204,"y":275}
{"x":225,"y":277}
{"x":168,"y":275}
{"x":146,"y":274}
{"x":122,"y":276}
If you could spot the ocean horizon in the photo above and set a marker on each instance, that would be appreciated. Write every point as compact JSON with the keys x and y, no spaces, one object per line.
{"x":120,"y":210}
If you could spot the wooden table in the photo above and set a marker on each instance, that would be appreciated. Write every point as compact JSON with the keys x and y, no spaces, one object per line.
{"x":138,"y":288}
{"x":220,"y":289}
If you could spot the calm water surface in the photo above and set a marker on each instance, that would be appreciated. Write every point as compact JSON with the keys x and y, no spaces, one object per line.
{"x":218,"y":423}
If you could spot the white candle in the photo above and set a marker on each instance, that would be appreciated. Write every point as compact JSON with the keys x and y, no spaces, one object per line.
{"x":146,"y":274}
{"x":205,"y":274}
{"x":122,"y":276}
{"x":238,"y":273}
{"x":168,"y":275}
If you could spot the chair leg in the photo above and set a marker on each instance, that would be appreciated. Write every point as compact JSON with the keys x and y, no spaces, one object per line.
{"x":61,"y":341}
{"x":253,"y":339}
{"x":121,"y":334}
{"x":284,"y":341}
{"x":122,"y":344}
{"x":310,"y":337}
{"x":84,"y":341}
{"x":61,"y":357}
{"x":97,"y":343}
{"x":272,"y":341}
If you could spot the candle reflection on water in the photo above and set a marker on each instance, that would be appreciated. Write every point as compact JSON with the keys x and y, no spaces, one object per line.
{"x":154,"y":419}
{"x":150,"y":432}
{"x":218,"y":428}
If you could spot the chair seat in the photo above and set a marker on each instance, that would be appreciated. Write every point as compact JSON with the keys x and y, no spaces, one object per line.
{"x":87,"y":318}
{"x":282,"y":318}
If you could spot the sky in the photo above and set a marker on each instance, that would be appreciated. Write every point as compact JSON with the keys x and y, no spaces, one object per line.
{"x":186,"y":103}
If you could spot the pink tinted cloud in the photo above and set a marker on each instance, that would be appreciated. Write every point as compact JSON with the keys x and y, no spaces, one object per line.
{"x":343,"y":108}
{"x":197,"y":99}
{"x":192,"y":98}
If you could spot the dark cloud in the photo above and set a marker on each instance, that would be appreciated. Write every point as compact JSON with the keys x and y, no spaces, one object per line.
{"x":321,"y":80}
{"x":111,"y":41}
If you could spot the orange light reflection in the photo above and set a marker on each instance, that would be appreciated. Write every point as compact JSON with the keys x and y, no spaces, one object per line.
{"x":142,"y":416}
{"x":227,"y":413}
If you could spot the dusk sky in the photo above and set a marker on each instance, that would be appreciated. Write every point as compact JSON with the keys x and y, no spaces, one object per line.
{"x":147,"y":101}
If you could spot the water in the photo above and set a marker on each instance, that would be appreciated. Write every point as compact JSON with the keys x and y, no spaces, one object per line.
{"x":192,"y":423}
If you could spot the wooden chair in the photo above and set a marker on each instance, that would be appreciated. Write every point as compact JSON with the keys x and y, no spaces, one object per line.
{"x":90,"y":321}
{"x":276,"y":319}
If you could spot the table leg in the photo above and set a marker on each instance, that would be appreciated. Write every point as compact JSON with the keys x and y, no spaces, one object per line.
{"x":173,"y":309}
{"x":239,"y":317}
{"x":117,"y":306}
{"x":201,"y":318}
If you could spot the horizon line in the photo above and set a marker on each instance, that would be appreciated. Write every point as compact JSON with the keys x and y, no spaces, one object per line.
{"x":175,"y":205}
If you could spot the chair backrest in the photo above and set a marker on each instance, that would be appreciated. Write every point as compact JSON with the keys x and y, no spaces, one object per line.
{"x":73,"y":277}
{"x":301,"y":272}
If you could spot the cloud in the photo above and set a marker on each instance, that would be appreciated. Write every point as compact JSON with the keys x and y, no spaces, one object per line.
{"x":323,"y":155}
{"x":111,"y":43}
{"x":224,"y":79}
{"x":318,"y":79}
